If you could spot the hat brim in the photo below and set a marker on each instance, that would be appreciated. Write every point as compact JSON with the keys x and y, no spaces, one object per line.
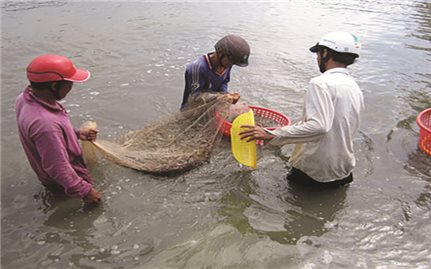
{"x":314,"y":48}
{"x":242,"y":64}
{"x":80,"y":75}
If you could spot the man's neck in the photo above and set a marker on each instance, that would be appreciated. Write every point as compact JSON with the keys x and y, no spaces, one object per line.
{"x":215,"y":63}
{"x":214,"y":60}
{"x":332,"y":64}
{"x":45,"y":95}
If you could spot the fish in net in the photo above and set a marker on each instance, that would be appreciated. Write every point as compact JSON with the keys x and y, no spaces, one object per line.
{"x":177,"y":142}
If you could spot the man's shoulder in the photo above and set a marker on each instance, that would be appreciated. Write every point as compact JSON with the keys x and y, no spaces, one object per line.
{"x":39,"y":119}
{"x":198,"y":63}
{"x":321,"y":79}
{"x":331,"y":77}
{"x":21,"y":98}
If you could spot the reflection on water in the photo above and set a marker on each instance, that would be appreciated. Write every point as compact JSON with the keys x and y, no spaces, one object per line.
{"x":74,"y":224}
{"x":423,"y":18}
{"x":295,"y":212}
{"x":221,"y":215}
{"x":424,"y":199}
{"x":420,"y":162}
{"x":314,"y":211}
{"x":419,"y":100}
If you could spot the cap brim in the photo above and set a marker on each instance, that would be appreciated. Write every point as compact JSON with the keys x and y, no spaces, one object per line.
{"x":314,"y":48}
{"x":80,"y":75}
{"x":244,"y":64}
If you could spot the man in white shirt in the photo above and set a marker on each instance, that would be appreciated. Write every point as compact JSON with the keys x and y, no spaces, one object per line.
{"x":323,"y":155}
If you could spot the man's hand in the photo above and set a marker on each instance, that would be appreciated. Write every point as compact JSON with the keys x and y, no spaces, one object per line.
{"x":88,"y":134}
{"x":254,"y":133}
{"x":93,"y":197}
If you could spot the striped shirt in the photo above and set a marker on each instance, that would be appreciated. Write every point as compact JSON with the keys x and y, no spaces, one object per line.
{"x":201,"y":77}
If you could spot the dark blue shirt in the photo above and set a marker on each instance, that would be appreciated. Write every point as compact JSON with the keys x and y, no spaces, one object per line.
{"x":200,"y":77}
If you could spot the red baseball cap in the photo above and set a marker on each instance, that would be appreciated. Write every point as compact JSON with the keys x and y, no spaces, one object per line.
{"x":51,"y":67}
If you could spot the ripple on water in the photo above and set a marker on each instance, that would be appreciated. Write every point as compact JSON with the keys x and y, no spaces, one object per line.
{"x":222,"y":215}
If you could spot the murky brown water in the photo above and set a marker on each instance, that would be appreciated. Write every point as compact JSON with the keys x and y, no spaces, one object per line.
{"x":221,"y":215}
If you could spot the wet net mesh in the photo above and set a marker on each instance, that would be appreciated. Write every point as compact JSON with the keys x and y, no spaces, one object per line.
{"x":178,"y":142}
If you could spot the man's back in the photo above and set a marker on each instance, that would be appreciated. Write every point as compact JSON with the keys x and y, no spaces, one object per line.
{"x":337,"y":97}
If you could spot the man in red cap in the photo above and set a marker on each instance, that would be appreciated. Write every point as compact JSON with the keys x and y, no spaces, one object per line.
{"x":46,"y":133}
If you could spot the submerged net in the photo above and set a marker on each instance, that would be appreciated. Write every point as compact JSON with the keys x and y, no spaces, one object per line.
{"x":178,"y":142}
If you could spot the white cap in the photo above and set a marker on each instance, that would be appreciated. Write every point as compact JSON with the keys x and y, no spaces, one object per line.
{"x":342,"y":42}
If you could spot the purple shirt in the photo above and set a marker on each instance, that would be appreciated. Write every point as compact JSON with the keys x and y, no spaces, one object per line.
{"x":200,"y":77}
{"x":51,"y":145}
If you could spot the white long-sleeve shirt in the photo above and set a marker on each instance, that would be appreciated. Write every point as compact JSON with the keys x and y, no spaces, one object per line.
{"x":324,"y":136}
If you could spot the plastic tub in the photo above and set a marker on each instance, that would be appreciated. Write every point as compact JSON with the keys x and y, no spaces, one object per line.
{"x":424,"y":122}
{"x":261,"y":113}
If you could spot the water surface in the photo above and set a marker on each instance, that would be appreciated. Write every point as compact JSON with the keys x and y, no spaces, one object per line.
{"x":221,"y":215}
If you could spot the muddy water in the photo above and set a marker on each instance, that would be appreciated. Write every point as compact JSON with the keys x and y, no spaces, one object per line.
{"x":221,"y":215}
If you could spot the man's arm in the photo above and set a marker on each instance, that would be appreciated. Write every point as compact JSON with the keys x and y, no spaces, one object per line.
{"x":224,"y":86}
{"x":194,"y":82}
{"x":318,"y":118}
{"x":55,"y":161}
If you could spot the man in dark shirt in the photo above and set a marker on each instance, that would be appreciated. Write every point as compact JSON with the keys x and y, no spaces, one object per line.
{"x":211,"y":72}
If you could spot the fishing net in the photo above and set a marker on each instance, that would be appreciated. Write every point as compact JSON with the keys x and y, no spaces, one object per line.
{"x":178,"y":142}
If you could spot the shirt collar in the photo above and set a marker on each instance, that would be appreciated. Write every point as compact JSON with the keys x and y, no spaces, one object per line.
{"x":207,"y":59}
{"x":28,"y":94}
{"x":337,"y":70}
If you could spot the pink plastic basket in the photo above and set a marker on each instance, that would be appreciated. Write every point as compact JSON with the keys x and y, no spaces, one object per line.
{"x":265,"y":114}
{"x":424,"y":122}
